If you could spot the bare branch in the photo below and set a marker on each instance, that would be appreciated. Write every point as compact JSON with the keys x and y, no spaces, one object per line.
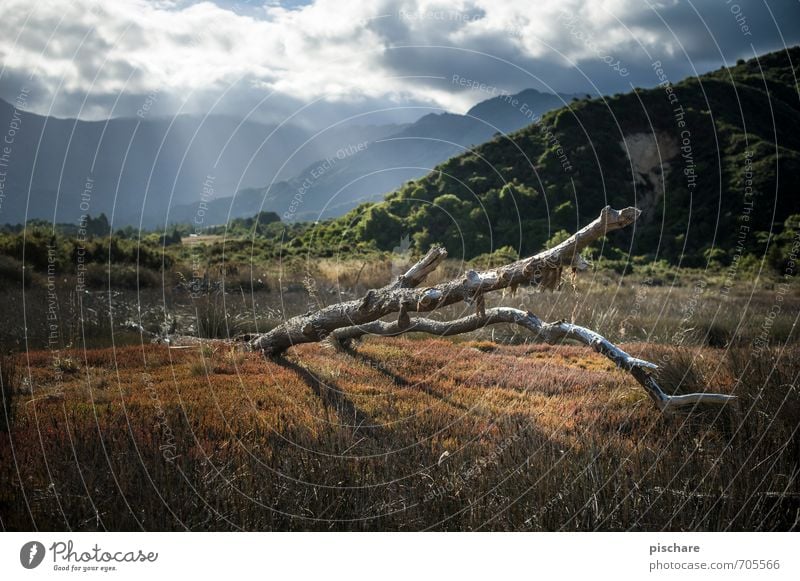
{"x":352,"y":319}
{"x":549,"y":332}
{"x":402,"y":294}
{"x":415,"y":275}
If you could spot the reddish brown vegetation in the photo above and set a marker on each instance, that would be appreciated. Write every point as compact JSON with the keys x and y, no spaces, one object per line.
{"x":537,"y":438}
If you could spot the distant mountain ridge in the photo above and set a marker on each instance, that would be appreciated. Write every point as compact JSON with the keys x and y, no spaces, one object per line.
{"x":506,"y":111}
{"x":384,"y":164}
{"x":141,"y":167}
{"x":713,"y":161}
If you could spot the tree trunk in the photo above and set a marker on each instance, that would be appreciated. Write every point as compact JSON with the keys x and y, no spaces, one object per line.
{"x":349,"y":320}
{"x":402,"y":295}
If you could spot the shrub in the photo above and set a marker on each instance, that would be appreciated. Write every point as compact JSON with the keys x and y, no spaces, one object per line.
{"x":8,"y":379}
{"x":123,"y":276}
{"x":12,"y":273}
{"x":213,"y":321}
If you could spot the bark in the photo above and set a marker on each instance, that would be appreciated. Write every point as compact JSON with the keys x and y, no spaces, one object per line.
{"x":402,"y":296}
{"x":549,"y":332}
{"x":352,"y":319}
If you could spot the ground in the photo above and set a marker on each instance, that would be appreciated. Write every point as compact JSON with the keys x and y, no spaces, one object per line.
{"x":397,"y":434}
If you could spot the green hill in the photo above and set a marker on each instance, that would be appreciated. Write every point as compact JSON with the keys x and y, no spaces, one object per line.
{"x":713,"y":161}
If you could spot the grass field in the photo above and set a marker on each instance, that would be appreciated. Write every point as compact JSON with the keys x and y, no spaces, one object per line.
{"x":397,"y":434}
{"x":198,"y":239}
{"x":101,"y":429}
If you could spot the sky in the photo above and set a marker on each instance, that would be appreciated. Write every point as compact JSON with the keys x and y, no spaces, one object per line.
{"x":323,"y":61}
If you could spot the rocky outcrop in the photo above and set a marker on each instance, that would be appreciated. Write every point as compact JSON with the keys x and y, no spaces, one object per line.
{"x":650,"y":155}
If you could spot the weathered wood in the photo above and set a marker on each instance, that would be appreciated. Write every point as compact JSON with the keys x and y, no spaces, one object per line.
{"x":349,"y":320}
{"x":542,"y":268}
{"x":423,"y":267}
{"x":549,"y":332}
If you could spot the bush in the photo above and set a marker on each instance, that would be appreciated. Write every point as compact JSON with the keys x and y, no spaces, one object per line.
{"x":8,"y":379}
{"x":499,"y":257}
{"x":12,"y":273}
{"x":123,"y":276}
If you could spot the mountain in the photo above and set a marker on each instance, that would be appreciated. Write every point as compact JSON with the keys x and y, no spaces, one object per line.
{"x":510,"y":112}
{"x":713,"y":161}
{"x":138,"y":168}
{"x":330,"y":187}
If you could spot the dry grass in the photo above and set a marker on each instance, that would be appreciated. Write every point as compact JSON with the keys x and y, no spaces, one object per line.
{"x":200,"y":239}
{"x":9,"y":376}
{"x":485,"y":431}
{"x":537,"y":438}
{"x":697,"y":311}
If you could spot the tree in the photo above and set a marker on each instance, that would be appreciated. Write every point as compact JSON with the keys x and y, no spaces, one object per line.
{"x":98,"y":226}
{"x":382,"y":226}
{"x":343,"y":322}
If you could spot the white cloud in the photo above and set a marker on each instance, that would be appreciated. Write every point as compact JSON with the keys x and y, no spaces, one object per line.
{"x":340,"y":51}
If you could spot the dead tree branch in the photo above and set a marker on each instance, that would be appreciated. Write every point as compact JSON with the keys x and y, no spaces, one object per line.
{"x":402,"y":294}
{"x":352,"y":319}
{"x":548,"y":332}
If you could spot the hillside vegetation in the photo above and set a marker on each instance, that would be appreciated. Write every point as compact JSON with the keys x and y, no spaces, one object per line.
{"x":713,"y":161}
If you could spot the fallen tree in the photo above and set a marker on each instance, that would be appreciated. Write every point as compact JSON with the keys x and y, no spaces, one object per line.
{"x":353,"y":319}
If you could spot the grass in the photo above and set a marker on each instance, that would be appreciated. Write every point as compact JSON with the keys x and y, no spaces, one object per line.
{"x":692,"y":311}
{"x":401,"y":434}
{"x":9,"y":376}
{"x":212,"y":318}
{"x":483,"y":431}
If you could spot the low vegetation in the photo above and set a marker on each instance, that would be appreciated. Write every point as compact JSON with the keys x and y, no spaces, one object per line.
{"x":104,"y":429}
{"x":399,"y":434}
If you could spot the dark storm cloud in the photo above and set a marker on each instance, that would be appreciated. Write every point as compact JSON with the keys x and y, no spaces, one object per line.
{"x":356,"y":56}
{"x":687,"y":37}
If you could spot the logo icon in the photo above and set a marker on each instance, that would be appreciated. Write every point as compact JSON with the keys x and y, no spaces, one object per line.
{"x":31,"y":554}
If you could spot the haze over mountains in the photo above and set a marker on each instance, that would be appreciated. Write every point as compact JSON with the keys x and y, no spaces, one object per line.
{"x":331,"y":187}
{"x":156,"y":171}
{"x":137,"y":168}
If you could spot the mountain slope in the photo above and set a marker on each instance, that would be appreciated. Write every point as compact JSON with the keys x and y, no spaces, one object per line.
{"x":138,"y":168}
{"x":330,"y":187}
{"x":510,"y":112}
{"x":712,"y":161}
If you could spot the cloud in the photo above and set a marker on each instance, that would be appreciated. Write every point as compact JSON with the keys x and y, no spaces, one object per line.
{"x":93,"y":59}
